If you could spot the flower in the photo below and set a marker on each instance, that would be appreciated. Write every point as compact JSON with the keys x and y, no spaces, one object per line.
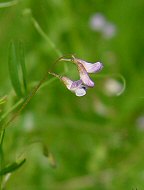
{"x":109,"y":30}
{"x":79,"y":87}
{"x":74,"y":86}
{"x":84,"y":68}
{"x":84,"y":75}
{"x":99,"y":23}
{"x":89,"y":67}
{"x":113,"y":87}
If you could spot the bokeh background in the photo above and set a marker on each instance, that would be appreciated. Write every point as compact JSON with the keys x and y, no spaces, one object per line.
{"x":95,"y":141}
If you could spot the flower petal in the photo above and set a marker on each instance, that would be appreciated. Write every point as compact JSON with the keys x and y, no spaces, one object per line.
{"x":80,"y":92}
{"x":76,"y":84}
{"x":89,"y":67}
{"x":84,"y":76}
{"x":68,"y":83}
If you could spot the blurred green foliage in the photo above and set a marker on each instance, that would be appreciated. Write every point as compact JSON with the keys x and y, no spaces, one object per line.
{"x":93,"y":142}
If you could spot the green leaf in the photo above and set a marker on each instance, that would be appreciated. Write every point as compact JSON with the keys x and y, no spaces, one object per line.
{"x":3,"y":100}
{"x":22,"y":64}
{"x":8,"y":4}
{"x":13,"y":69}
{"x":2,"y":134}
{"x":12,"y":167}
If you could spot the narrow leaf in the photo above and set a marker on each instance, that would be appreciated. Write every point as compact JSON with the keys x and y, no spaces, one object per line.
{"x":13,"y":69}
{"x":3,"y":100}
{"x":12,"y":167}
{"x":8,"y":4}
{"x":22,"y":64}
{"x":2,"y":134}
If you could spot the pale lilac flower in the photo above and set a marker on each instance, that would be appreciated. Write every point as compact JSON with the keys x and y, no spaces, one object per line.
{"x":84,"y":68}
{"x":74,"y":86}
{"x":84,"y":75}
{"x":97,"y":22}
{"x":89,"y":67}
{"x":112,"y":87}
{"x":109,"y":30}
{"x":140,"y":122}
{"x":79,"y":87}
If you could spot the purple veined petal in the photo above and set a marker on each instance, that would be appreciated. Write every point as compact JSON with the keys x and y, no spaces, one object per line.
{"x":89,"y":67}
{"x":92,"y":67}
{"x":76,"y":84}
{"x":76,"y":87}
{"x":84,"y":76}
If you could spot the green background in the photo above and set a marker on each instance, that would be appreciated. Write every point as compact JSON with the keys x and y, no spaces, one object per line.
{"x":91,"y":149}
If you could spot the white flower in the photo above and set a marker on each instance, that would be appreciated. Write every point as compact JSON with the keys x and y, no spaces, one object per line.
{"x":112,"y":87}
{"x":97,"y":22}
{"x":109,"y":30}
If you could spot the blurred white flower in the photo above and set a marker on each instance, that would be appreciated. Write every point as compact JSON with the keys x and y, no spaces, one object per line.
{"x":99,"y":23}
{"x":100,"y":108}
{"x":112,"y":87}
{"x":28,"y":121}
{"x":140,"y":122}
{"x":109,"y":30}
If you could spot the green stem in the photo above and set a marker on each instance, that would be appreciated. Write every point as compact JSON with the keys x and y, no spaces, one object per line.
{"x":26,"y":101}
{"x":46,"y":37}
{"x":10,"y":110}
{"x":43,"y":34}
{"x":1,"y":154}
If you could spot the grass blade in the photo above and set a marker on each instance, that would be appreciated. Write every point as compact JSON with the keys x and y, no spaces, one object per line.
{"x":22,"y":64}
{"x":12,"y":167}
{"x":8,"y":4}
{"x":13,"y":69}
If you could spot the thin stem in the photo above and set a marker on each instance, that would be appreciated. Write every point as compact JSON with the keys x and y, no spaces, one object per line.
{"x":26,"y":101}
{"x":46,"y":37}
{"x":2,"y":134}
{"x":43,"y":34}
{"x":11,"y":109}
{"x":118,"y":75}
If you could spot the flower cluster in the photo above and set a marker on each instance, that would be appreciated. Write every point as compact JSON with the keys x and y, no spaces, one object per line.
{"x":99,"y":23}
{"x":80,"y":86}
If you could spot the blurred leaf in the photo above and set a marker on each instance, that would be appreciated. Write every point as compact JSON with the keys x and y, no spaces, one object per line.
{"x":3,"y":100}
{"x":2,"y":134}
{"x":49,"y":155}
{"x":12,"y":167}
{"x":22,"y":64}
{"x":8,"y":4}
{"x":13,"y":69}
